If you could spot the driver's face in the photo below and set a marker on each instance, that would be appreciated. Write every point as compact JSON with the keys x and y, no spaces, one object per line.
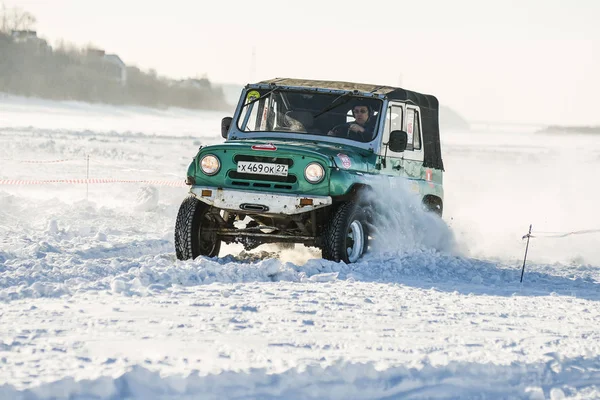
{"x":361,"y":114}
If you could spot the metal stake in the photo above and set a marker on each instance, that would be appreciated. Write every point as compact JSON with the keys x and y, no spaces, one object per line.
{"x":526,"y":248}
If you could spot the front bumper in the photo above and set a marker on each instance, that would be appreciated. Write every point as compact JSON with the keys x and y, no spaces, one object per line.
{"x":259,"y":202}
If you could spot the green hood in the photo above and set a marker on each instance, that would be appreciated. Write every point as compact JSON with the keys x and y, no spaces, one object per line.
{"x":333,"y":155}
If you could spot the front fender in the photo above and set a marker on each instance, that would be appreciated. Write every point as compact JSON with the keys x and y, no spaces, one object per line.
{"x":342,"y":182}
{"x":191,"y":171}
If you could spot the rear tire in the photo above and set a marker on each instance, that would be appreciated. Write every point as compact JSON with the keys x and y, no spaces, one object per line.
{"x":195,"y":230}
{"x":347,"y":235}
{"x":433,"y":204}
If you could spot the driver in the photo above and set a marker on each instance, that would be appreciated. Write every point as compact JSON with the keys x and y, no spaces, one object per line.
{"x":360,"y":129}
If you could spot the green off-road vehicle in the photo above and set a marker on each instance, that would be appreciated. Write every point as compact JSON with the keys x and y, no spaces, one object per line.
{"x":299,"y":161}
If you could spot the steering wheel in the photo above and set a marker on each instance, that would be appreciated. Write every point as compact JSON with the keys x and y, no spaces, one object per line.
{"x":341,"y":130}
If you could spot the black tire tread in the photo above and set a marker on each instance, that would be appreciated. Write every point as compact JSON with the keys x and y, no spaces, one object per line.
{"x":184,"y":227}
{"x":333,"y":248}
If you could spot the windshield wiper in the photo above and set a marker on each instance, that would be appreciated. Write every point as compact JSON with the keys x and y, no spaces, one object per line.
{"x":261,"y":97}
{"x":333,"y":104}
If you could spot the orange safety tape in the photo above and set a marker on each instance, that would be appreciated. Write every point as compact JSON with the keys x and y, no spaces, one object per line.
{"x":79,"y":181}
{"x":41,"y":161}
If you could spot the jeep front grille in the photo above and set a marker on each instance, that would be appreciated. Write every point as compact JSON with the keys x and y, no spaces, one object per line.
{"x":261,"y":185}
{"x":260,"y":177}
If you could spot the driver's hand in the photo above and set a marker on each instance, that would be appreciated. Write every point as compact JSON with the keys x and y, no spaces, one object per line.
{"x":356,"y":128}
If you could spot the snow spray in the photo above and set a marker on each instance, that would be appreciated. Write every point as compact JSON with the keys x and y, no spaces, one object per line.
{"x":401,"y":221}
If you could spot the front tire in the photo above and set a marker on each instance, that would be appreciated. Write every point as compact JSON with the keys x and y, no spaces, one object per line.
{"x":196,"y":230}
{"x":346,"y":237}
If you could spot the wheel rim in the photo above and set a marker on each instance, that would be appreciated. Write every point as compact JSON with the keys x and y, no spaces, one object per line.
{"x":207,"y":234}
{"x":355,"y":241}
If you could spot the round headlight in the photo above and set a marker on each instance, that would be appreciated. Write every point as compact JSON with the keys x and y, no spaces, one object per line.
{"x":314,"y":173}
{"x":210,"y":164}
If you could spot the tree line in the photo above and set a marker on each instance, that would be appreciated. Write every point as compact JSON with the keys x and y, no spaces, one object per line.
{"x":29,"y":67}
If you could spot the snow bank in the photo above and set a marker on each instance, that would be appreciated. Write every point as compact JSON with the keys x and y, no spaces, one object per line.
{"x":555,"y":379}
{"x":64,"y":274}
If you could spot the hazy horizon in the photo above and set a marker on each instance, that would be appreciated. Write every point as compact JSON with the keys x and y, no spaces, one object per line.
{"x":528,"y":61}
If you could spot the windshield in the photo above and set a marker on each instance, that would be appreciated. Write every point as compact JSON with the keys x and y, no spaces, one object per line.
{"x":278,"y":110}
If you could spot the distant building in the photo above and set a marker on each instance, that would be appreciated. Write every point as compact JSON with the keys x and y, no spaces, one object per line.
{"x":23,"y":36}
{"x":30,"y":38}
{"x":112,"y":65}
{"x":93,"y":52}
{"x":118,"y":66}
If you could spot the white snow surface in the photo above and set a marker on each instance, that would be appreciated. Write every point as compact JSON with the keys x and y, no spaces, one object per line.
{"x":94,"y":304}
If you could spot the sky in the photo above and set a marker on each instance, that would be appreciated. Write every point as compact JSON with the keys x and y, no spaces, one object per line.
{"x":525,"y":61}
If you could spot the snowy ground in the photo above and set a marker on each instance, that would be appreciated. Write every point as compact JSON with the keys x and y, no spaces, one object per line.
{"x":93,"y":303}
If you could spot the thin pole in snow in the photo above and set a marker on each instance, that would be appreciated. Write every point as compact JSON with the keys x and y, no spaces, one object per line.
{"x":526,"y":248}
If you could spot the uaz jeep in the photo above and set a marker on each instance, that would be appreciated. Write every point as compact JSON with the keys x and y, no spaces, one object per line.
{"x":295,"y":169}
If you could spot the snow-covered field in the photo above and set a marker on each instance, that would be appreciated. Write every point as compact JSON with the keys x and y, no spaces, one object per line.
{"x":93,"y":303}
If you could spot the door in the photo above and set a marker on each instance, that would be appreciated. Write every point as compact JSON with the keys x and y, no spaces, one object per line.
{"x":413,"y":156}
{"x":391,"y":162}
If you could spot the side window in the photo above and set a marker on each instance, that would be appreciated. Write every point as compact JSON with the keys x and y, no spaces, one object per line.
{"x":417,"y":133}
{"x":393,"y":121}
{"x":395,"y":117}
{"x":349,"y":116}
{"x":410,"y":128}
{"x":413,"y":129}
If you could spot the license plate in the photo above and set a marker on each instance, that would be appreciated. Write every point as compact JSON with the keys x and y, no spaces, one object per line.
{"x":248,"y":167}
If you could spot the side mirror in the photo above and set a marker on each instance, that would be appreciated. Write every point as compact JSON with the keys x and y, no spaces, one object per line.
{"x":225,"y":124}
{"x":398,"y":141}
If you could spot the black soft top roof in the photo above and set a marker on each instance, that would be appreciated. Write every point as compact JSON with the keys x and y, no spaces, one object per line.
{"x":389,"y":92}
{"x":428,"y":104}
